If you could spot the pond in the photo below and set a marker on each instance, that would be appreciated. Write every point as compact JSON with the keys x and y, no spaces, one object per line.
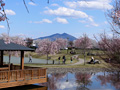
{"x":16,"y":60}
{"x":78,"y":81}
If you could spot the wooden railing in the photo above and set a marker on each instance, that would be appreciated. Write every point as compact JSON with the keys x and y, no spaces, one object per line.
{"x":22,"y":75}
{"x":4,"y":68}
{"x":17,"y":67}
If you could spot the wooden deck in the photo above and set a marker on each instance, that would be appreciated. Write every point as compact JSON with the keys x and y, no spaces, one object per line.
{"x":22,"y":77}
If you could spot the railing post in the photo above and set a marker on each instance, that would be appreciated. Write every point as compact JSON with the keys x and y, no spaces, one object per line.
{"x":8,"y":76}
{"x":16,"y":75}
{"x":38,"y":73}
{"x":23,"y":75}
{"x":45,"y":72}
{"x":31,"y":74}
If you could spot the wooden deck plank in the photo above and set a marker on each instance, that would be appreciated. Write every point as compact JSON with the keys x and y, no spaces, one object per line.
{"x":22,"y":77}
{"x":20,"y":83}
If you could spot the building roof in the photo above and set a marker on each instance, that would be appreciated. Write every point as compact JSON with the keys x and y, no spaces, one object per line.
{"x":13,"y":47}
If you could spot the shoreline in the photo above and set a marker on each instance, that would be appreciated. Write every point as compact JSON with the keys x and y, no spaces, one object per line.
{"x":75,"y":70}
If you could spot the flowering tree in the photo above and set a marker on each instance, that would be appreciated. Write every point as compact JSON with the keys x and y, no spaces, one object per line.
{"x":114,"y":16}
{"x":62,"y":43}
{"x":47,"y":47}
{"x":44,"y":47}
{"x":2,"y":14}
{"x":54,"y":48}
{"x":16,"y":39}
{"x":110,"y":47}
{"x":5,"y":37}
{"x":83,"y":43}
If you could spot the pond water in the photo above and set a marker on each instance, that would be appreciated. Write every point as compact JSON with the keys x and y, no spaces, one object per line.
{"x":16,"y":60}
{"x":79,"y":81}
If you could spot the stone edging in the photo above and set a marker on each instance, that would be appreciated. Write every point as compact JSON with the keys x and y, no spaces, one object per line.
{"x":73,"y":70}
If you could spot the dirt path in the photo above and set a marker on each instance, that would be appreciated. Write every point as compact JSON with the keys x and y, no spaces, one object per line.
{"x":80,"y":61}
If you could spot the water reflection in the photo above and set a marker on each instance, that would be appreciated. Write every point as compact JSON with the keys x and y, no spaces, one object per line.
{"x":112,"y":78}
{"x":53,"y":80}
{"x":83,"y":80}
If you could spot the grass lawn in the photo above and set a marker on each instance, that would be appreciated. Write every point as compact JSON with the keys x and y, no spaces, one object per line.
{"x":102,"y":65}
{"x":68,"y":56}
{"x":54,"y":57}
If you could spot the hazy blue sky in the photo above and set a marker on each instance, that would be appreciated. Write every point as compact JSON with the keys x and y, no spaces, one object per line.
{"x":74,"y":17}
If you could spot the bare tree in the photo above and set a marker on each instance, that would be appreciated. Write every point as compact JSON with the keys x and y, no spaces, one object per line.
{"x":70,"y":43}
{"x":29,"y":42}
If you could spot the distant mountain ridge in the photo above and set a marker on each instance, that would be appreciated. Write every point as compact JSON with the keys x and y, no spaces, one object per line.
{"x":57,"y":35}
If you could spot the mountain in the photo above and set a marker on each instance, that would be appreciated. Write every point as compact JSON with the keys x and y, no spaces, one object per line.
{"x":57,"y":35}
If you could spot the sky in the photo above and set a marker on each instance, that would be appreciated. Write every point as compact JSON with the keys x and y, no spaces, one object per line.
{"x":75,"y":17}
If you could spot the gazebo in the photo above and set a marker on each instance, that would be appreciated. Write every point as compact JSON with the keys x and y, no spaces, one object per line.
{"x":13,"y":47}
{"x":21,"y":76}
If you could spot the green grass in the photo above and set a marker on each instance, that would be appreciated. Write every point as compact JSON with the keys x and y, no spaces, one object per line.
{"x":102,"y":65}
{"x":54,"y":57}
{"x":68,"y":56}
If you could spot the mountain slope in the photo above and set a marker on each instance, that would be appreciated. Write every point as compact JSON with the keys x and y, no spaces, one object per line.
{"x":57,"y":35}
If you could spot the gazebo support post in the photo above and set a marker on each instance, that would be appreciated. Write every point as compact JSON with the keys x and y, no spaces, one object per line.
{"x":1,"y":58}
{"x":22,"y":60}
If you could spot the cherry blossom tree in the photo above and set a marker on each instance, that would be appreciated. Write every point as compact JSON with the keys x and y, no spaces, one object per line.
{"x":83,"y":43}
{"x":110,"y":47}
{"x":114,"y":17}
{"x":46,"y":47}
{"x":2,"y":14}
{"x":54,"y":48}
{"x":62,"y":43}
{"x":16,"y":39}
{"x":5,"y":37}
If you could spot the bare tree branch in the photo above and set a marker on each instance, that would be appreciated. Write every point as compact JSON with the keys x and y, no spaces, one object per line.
{"x":6,"y":21}
{"x":25,"y":6}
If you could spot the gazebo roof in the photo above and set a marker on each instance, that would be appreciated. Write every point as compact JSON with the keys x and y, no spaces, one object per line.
{"x":13,"y":47}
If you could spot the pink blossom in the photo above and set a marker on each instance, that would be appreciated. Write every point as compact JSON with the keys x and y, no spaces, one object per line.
{"x":2,"y":3}
{"x":83,"y":42}
{"x":62,"y":43}
{"x":2,"y":18}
